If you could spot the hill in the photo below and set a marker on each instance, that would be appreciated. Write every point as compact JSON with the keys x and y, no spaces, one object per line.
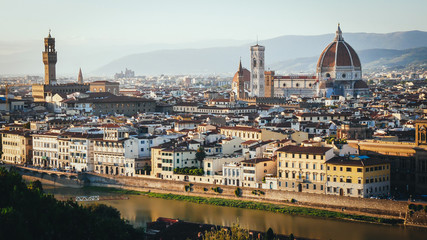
{"x":282,"y":53}
{"x":371,"y":59}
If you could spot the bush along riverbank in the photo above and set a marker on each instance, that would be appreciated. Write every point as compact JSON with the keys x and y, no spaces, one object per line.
{"x":293,"y":210}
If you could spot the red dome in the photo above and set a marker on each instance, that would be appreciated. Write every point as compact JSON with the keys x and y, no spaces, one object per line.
{"x":338,"y":54}
{"x":246,"y":75}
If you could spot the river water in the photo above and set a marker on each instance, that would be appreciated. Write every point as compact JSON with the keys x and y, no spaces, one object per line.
{"x":142,"y":209}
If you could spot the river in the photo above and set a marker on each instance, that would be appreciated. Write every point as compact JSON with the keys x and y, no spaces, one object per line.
{"x":142,"y":209}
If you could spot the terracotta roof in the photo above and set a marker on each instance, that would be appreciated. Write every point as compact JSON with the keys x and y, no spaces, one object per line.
{"x":304,"y":150}
{"x":369,"y":161}
{"x":249,"y":142}
{"x":360,"y":84}
{"x":256,"y":160}
{"x":241,"y":128}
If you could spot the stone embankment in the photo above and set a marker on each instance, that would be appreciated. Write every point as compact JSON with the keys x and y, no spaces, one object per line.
{"x":372,"y":207}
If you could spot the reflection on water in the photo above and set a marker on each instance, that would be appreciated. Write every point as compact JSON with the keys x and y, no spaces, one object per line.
{"x":141,"y":209}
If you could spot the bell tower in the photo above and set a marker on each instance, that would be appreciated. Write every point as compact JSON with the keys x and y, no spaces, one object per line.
{"x":49,"y":60}
{"x":257,"y":85}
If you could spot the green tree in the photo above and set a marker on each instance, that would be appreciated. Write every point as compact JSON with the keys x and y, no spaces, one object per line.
{"x":27,"y":213}
{"x":234,"y":233}
{"x":200,"y":154}
{"x":269,"y":235}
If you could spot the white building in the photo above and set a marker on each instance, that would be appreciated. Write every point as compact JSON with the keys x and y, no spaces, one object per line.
{"x":112,"y":151}
{"x":45,"y":150}
{"x":232,"y":174}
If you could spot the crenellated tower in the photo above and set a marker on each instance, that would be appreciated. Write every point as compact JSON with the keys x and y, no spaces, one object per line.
{"x":49,"y":60}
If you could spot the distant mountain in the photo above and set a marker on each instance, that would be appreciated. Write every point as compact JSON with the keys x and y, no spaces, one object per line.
{"x":285,"y":53}
{"x":371,"y":59}
{"x":206,"y":57}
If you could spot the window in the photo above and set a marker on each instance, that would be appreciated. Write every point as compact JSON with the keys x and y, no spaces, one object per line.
{"x":306,"y":165}
{"x":348,"y":169}
{"x":359,"y":169}
{"x":341,"y":169}
{"x":348,"y":180}
{"x":335,"y":168}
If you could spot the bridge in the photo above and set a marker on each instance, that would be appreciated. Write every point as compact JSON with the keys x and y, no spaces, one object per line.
{"x":56,"y":176}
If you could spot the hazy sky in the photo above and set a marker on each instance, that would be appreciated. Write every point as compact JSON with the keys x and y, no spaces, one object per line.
{"x":178,"y":21}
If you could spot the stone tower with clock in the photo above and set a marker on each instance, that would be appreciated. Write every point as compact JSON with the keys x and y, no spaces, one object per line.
{"x":257,"y":84}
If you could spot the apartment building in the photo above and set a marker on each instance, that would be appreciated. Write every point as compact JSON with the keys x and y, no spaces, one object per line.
{"x":254,"y":171}
{"x":16,"y":146}
{"x":233,"y":174}
{"x":302,"y":169}
{"x":358,"y":176}
{"x":164,"y":159}
{"x":45,"y":150}
{"x":112,"y":153}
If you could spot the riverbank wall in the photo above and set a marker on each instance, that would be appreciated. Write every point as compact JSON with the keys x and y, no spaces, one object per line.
{"x":372,"y":206}
{"x":377,"y":207}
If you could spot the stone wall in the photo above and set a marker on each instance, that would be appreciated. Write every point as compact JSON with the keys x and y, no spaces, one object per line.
{"x":375,"y":206}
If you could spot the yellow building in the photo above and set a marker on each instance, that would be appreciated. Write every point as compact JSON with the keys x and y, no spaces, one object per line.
{"x":408,"y":160}
{"x":302,"y":169}
{"x":250,"y":133}
{"x":360,"y":176}
{"x":16,"y":146}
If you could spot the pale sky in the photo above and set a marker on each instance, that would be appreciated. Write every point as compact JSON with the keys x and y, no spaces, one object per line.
{"x":178,"y":21}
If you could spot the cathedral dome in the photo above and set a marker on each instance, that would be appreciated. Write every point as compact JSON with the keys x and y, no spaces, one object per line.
{"x":338,"y":54}
{"x":246,"y":74}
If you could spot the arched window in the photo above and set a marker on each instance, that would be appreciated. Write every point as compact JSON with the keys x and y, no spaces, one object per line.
{"x":254,"y":62}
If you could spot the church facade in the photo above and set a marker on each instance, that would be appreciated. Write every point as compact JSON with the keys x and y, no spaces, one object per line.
{"x":338,"y":72}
